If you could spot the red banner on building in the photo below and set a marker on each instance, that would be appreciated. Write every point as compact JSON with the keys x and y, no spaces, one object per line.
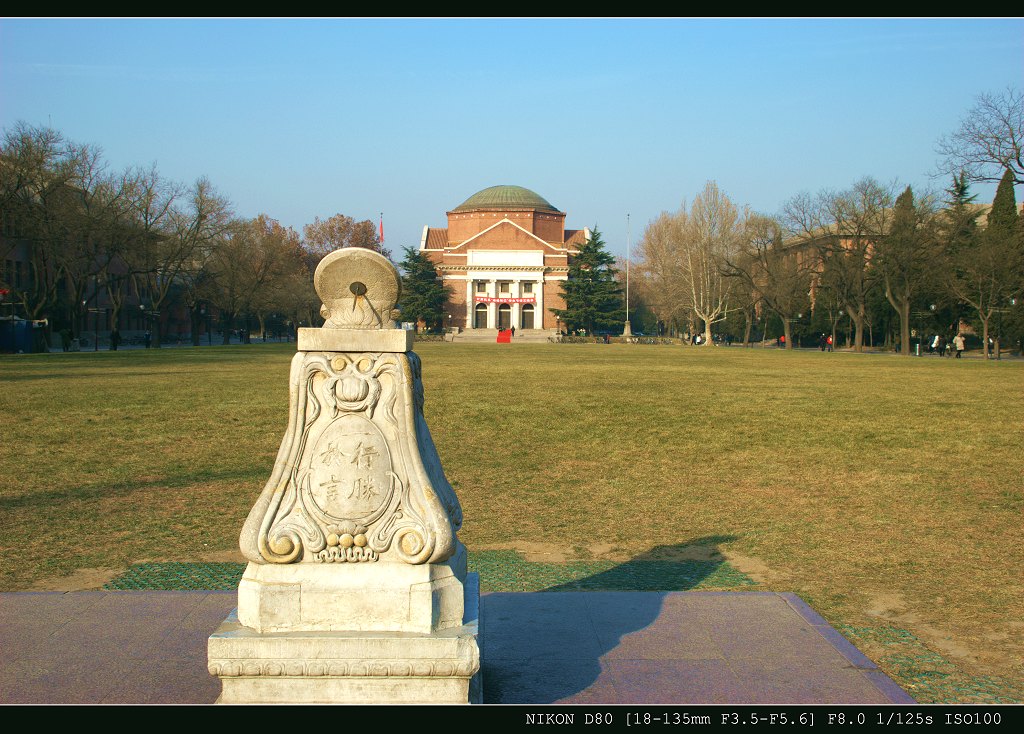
{"x":488,"y":299}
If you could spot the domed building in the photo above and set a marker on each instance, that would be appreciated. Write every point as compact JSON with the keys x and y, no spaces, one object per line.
{"x":504,"y":254}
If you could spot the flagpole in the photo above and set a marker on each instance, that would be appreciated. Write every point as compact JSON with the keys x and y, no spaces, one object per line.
{"x":626,"y":330}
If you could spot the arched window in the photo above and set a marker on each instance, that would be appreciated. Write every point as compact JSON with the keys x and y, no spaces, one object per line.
{"x":504,"y":316}
{"x":526,"y":321}
{"x":480,"y":316}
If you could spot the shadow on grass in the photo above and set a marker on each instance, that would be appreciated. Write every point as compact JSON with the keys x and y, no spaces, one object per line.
{"x":121,"y":489}
{"x":547,"y":647}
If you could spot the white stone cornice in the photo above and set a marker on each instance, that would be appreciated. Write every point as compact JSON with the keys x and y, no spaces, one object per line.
{"x":494,"y":268}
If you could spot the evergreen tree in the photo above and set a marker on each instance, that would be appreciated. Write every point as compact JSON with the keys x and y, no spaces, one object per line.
{"x":960,"y":226}
{"x":905,"y":259}
{"x":423,"y":294}
{"x":593,"y":298}
{"x":988,"y":275}
{"x":1002,"y":219}
{"x":1004,"y":238}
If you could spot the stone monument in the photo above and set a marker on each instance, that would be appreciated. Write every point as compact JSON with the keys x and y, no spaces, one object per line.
{"x":356,"y":589}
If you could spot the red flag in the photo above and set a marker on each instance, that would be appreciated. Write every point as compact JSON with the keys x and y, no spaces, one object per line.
{"x":382,"y":228}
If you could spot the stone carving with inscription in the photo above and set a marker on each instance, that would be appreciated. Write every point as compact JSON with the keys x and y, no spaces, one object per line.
{"x":356,"y":529}
{"x":357,"y":478}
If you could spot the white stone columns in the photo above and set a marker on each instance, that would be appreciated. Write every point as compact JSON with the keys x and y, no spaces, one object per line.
{"x":470,"y":294}
{"x":514,"y":293}
{"x":538,"y":308}
{"x":492,"y":308}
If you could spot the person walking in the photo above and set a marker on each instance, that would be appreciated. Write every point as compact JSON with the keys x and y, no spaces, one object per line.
{"x":958,"y":344}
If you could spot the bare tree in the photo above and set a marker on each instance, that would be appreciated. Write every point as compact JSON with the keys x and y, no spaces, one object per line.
{"x":247,"y":264}
{"x":844,"y":228}
{"x":173,"y":226}
{"x":990,"y":139}
{"x":657,"y":275}
{"x":199,"y":228}
{"x":119,"y":235}
{"x":828,"y":295}
{"x":683,"y":255}
{"x":780,"y":276}
{"x":80,"y":230}
{"x":324,"y":236}
{"x":905,"y":257}
{"x":279,"y":263}
{"x":95,"y":212}
{"x":295,"y":297}
{"x":39,"y":174}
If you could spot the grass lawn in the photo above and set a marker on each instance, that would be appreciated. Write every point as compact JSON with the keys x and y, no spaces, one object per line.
{"x":886,"y":491}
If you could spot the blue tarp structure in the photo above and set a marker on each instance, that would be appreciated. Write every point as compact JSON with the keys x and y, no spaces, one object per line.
{"x":15,"y":335}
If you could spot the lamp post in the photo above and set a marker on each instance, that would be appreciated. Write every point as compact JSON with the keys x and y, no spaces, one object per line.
{"x":921,"y":316}
{"x":147,"y":313}
{"x":999,"y":336}
{"x":95,"y":296}
{"x":1013,"y":303}
{"x":204,"y":317}
{"x":999,"y":328}
{"x":793,"y":323}
{"x":932,"y":309}
{"x":96,"y":310}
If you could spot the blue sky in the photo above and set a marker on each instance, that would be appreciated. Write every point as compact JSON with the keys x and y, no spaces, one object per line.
{"x":306,"y":118}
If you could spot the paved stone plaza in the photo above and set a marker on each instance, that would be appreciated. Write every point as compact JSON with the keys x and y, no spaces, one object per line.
{"x":566,"y":647}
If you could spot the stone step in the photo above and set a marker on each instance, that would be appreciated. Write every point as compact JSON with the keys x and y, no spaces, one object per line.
{"x":491,"y":335}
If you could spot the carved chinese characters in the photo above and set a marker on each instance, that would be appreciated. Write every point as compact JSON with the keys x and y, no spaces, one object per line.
{"x":357,"y":588}
{"x":357,"y":479}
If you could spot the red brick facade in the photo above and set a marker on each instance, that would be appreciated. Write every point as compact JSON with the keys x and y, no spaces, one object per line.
{"x":504,"y":254}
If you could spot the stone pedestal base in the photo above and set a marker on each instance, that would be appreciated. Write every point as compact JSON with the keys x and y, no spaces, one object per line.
{"x":358,"y":597}
{"x":350,"y":667}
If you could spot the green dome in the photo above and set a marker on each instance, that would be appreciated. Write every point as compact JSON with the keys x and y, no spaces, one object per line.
{"x":505,"y":197}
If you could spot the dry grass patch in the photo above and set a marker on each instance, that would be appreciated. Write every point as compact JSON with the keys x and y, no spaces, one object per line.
{"x":880,"y":488}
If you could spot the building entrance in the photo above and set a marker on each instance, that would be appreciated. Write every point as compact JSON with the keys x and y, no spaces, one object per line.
{"x":480,"y":316}
{"x":504,"y":316}
{"x":527,"y":317}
